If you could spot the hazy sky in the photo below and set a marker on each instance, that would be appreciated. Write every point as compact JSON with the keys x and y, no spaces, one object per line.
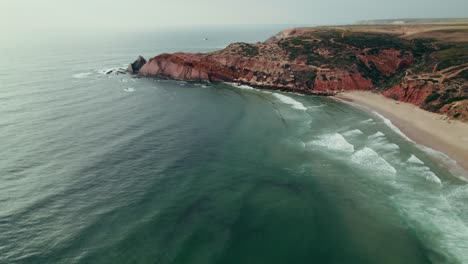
{"x":20,"y":15}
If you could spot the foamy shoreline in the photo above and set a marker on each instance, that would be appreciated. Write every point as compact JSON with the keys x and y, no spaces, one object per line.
{"x":428,"y":129}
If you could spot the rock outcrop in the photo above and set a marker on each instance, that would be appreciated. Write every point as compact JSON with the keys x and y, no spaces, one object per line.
{"x":136,"y":65}
{"x":324,"y":61}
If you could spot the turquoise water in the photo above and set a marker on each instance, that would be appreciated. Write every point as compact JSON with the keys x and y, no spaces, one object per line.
{"x":98,"y":168}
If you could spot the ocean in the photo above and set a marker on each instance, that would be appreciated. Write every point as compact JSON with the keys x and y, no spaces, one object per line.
{"x":109,"y":168}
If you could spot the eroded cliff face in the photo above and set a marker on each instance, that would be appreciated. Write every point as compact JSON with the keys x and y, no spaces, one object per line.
{"x":442,"y":91}
{"x":410,"y":93}
{"x":326,"y":61}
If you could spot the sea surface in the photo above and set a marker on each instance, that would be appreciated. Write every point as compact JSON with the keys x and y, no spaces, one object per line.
{"x":109,"y":168}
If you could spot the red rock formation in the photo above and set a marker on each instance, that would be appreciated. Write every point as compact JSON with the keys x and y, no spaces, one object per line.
{"x":409,"y":93}
{"x":316,"y":61}
{"x":387,"y":61}
{"x":341,"y":80}
{"x":255,"y":71}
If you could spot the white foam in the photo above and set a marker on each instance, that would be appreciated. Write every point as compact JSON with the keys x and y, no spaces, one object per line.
{"x":439,"y":219}
{"x":376,"y":135}
{"x":430,"y":176}
{"x":369,"y":159}
{"x":335,"y":142}
{"x":126,"y":80}
{"x":245,"y":87}
{"x":415,"y":160}
{"x":368,"y":121}
{"x":379,"y":141}
{"x":129,"y":89}
{"x":354,"y":132}
{"x":392,"y":126}
{"x":107,"y":71}
{"x":82,"y":75}
{"x":241,"y":86}
{"x":420,"y":170}
{"x":458,"y":192}
{"x":316,"y":106}
{"x":390,"y":146}
{"x":447,"y":162}
{"x":290,"y":101}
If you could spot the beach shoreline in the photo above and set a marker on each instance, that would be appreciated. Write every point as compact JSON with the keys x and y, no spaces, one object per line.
{"x":425,"y":128}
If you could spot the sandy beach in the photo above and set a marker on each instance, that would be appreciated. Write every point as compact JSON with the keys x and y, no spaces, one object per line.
{"x":423,"y":127}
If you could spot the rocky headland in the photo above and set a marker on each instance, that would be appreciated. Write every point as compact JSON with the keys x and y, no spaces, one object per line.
{"x":422,"y":64}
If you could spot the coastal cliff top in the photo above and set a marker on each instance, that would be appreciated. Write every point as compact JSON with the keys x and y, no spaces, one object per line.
{"x":454,"y":30}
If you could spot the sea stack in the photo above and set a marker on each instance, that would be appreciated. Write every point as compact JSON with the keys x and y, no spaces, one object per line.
{"x":136,"y":66}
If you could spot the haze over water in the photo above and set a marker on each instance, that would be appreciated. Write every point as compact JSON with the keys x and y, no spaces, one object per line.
{"x":107,"y":168}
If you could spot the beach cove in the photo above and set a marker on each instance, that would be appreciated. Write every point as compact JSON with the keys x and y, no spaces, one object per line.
{"x":426,"y":128}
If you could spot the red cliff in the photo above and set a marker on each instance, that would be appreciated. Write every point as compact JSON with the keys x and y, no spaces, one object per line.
{"x":327,"y":61}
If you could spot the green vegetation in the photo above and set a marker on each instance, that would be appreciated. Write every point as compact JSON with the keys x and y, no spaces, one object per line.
{"x":457,"y":115}
{"x":436,"y":108}
{"x":451,"y":56}
{"x":432,"y":97}
{"x":312,"y":76}
{"x":371,"y":72}
{"x":343,"y":45}
{"x":298,"y":46}
{"x":308,"y":47}
{"x":249,"y":50}
{"x":421,"y":47}
{"x":336,"y":48}
{"x":380,"y":41}
{"x":464,"y":75}
{"x":306,"y":77}
{"x":455,"y":99}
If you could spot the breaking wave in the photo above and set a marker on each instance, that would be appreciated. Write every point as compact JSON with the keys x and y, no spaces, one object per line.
{"x":376,"y":135}
{"x":430,"y":176}
{"x":415,"y":160}
{"x":368,"y":121}
{"x":82,"y":75}
{"x":380,"y":142}
{"x":369,"y":159}
{"x":241,"y":86}
{"x":113,"y":70}
{"x":245,"y":87}
{"x":442,"y":228}
{"x":354,"y":132}
{"x":447,"y":162}
{"x":335,"y":142}
{"x":290,"y":101}
{"x":392,"y":126}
